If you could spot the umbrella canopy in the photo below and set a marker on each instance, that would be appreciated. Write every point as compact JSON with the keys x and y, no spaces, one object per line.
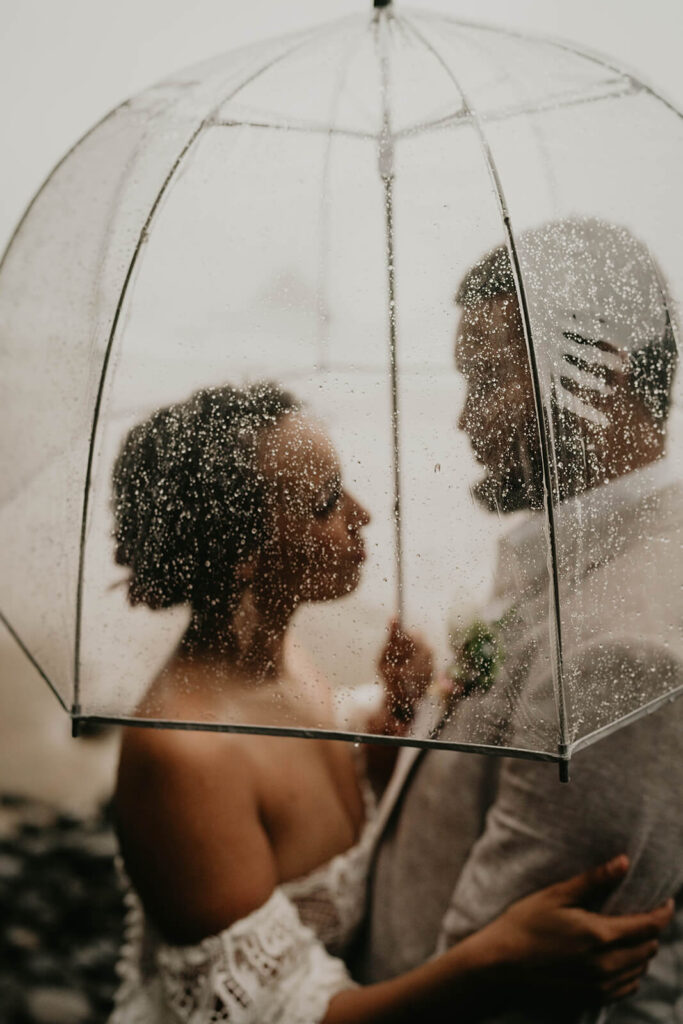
{"x":305,"y":212}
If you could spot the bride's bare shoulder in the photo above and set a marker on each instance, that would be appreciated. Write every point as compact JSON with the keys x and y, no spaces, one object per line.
{"x":182,"y":761}
{"x":188,"y":818}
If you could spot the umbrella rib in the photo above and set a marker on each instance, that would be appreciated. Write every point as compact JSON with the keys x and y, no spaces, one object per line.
{"x":306,"y":129}
{"x":330,"y":734}
{"x":15,"y":636}
{"x":205,"y":121}
{"x":60,"y":162}
{"x":342,"y":73}
{"x":577,"y":100}
{"x":645,"y":709}
{"x":601,"y":62}
{"x":577,"y":51}
{"x":465,"y":118}
{"x":549,"y":485}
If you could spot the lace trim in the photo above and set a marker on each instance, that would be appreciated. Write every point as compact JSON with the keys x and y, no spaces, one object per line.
{"x":332,"y":899}
{"x":133,"y":1003}
{"x":272,"y":967}
{"x":267,"y":968}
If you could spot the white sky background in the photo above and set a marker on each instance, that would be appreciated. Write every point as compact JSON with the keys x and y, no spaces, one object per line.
{"x":64,"y":63}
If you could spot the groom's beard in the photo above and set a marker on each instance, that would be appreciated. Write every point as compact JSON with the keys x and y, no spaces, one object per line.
{"x":516,"y":480}
{"x":517,"y":483}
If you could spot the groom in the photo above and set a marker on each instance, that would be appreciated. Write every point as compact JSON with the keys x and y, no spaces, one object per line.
{"x":465,"y":835}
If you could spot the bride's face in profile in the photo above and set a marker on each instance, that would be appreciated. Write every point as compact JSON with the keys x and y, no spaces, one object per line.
{"x":315,"y":549}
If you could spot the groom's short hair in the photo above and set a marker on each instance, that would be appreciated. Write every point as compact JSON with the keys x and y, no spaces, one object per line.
{"x":652,"y":365}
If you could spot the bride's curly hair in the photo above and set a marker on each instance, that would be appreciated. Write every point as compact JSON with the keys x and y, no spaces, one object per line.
{"x":188,"y":495}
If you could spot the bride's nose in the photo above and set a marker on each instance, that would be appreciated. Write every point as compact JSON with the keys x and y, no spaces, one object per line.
{"x":357,"y":515}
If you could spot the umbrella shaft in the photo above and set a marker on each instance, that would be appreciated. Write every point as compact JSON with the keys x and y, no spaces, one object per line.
{"x":398,"y":540}
{"x":386,"y":172}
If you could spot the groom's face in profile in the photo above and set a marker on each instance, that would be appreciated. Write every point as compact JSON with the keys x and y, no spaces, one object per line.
{"x":498,"y":413}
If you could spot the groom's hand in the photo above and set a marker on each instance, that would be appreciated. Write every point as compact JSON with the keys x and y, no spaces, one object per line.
{"x":558,"y":944}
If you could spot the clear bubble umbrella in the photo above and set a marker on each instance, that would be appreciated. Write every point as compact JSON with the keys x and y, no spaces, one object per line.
{"x":305,"y":212}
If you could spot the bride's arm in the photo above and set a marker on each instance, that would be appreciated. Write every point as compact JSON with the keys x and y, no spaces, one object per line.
{"x":542,"y":944}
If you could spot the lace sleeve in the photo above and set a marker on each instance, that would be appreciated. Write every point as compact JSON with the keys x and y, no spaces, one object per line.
{"x":267,"y":968}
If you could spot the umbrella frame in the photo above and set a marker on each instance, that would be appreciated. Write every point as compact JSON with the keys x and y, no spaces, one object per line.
{"x":382,"y":16}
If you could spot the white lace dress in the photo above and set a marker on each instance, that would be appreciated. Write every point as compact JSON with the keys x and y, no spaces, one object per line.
{"x":280,"y":965}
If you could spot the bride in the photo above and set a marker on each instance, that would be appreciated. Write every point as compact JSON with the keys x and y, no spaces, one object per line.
{"x":248,"y":855}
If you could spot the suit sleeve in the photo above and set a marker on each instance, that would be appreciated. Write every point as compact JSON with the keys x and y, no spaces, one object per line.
{"x":624,"y":797}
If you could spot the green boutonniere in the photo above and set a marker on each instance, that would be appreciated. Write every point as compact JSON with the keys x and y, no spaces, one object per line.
{"x":478,"y":656}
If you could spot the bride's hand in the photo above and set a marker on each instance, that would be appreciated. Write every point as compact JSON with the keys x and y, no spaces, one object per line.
{"x":551,"y":942}
{"x":406,"y":668}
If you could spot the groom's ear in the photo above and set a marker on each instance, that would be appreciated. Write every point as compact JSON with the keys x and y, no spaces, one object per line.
{"x":246,"y":570}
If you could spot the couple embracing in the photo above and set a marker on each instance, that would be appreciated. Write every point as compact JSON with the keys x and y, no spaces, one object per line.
{"x":265,"y":884}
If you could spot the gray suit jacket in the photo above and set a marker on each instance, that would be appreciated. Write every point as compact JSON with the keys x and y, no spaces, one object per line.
{"x":468,"y":834}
